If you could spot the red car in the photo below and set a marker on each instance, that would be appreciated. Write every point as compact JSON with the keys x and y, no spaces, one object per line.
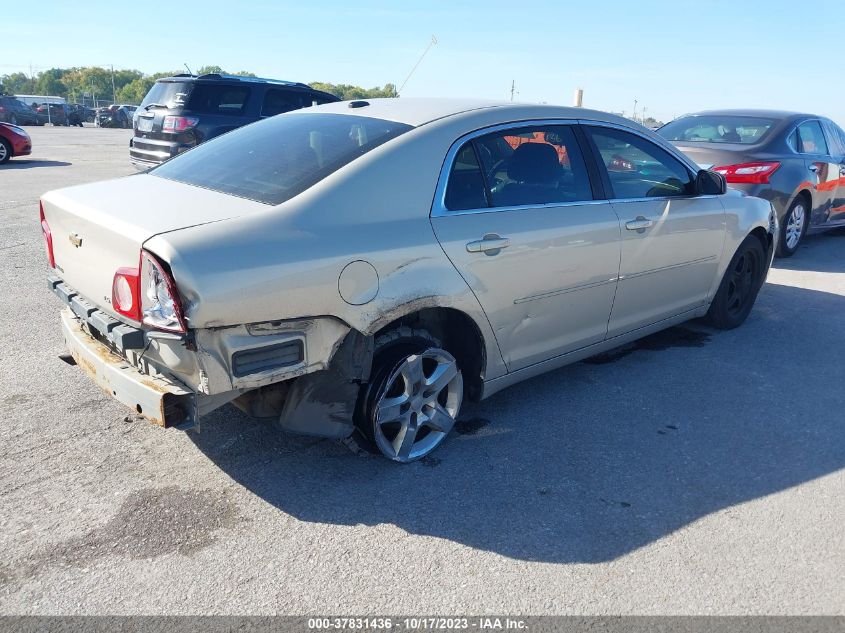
{"x":14,"y":141}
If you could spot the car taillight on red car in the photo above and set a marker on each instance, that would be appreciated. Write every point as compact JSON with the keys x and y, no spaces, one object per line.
{"x":148,"y":295}
{"x":48,"y":236}
{"x":748,"y":173}
{"x":176,"y":124}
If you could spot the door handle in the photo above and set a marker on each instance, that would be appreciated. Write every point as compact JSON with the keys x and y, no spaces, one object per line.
{"x":491,"y":244}
{"x":842,"y":170}
{"x":639,"y":225}
{"x":813,"y":168}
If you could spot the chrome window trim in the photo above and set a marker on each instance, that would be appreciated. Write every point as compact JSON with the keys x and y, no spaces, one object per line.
{"x":438,"y":207}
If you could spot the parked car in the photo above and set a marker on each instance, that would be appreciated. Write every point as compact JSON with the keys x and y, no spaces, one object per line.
{"x":59,"y":114}
{"x":362,"y":267}
{"x":181,"y":112}
{"x":14,"y":141}
{"x":80,"y":114}
{"x":115,"y":116}
{"x":16,"y":112}
{"x":794,"y":160}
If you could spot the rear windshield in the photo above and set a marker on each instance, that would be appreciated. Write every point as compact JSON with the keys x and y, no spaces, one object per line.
{"x":744,"y":130}
{"x":278,"y":158}
{"x":170,"y":94}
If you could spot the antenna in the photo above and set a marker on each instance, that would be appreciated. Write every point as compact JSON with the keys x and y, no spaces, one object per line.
{"x":190,"y":72}
{"x":425,"y":52}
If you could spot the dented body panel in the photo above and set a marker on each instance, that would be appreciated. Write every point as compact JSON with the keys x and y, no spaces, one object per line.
{"x":282,"y":302}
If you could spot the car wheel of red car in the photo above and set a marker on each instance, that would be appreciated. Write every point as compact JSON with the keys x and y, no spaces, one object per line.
{"x":5,"y":151}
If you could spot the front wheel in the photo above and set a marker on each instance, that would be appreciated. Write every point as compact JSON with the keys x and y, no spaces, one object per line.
{"x":738,"y":291}
{"x":5,"y":151}
{"x":793,"y":229}
{"x":413,"y":398}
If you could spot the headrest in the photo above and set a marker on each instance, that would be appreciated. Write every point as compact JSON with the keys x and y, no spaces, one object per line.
{"x":534,"y":163}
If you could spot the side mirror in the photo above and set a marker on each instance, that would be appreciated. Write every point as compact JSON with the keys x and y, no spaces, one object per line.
{"x":710,"y":183}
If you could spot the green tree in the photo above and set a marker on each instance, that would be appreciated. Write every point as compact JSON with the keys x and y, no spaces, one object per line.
{"x":17,"y":83}
{"x":347,"y":92}
{"x":50,"y":82}
{"x":208,"y":70}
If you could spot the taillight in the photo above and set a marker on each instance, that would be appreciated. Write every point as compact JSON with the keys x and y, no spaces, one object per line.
{"x":48,"y":237}
{"x":148,"y":295}
{"x":126,"y":294}
{"x":161,"y":306}
{"x":748,"y":173}
{"x":176,"y":124}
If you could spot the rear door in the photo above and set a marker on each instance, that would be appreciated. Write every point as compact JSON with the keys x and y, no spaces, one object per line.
{"x":822,"y":168}
{"x":518,"y":218}
{"x":836,"y":146}
{"x":671,"y":239}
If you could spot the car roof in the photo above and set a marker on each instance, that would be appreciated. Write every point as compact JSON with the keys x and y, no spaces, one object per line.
{"x":416,"y":111}
{"x":219,"y":77}
{"x":754,"y":112}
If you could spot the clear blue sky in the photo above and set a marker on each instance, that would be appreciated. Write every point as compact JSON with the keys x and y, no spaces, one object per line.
{"x":673,"y":57}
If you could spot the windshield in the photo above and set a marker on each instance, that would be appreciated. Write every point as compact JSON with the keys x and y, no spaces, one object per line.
{"x":745,"y":130}
{"x":168,"y":93}
{"x":276,"y":159}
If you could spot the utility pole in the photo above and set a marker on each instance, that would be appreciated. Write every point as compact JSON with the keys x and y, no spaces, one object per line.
{"x":113,"y":91}
{"x":513,"y":88}
{"x":643,"y":115}
{"x":634,"y":114}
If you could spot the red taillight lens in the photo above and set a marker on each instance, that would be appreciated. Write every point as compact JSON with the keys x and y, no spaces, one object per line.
{"x":176,"y":124}
{"x":48,"y":237}
{"x":126,"y":293}
{"x":161,"y":306}
{"x":748,"y":173}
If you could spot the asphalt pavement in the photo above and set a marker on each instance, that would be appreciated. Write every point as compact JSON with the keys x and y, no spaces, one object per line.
{"x":695,"y":472}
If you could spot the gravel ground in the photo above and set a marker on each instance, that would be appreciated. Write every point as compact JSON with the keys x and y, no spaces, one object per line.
{"x":696,"y":472}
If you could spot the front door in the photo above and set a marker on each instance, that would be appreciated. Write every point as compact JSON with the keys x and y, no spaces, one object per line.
{"x":519,"y":222}
{"x":671,"y":239}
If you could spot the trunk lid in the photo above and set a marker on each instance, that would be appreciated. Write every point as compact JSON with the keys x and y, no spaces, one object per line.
{"x":100,"y":227}
{"x":709,"y":155}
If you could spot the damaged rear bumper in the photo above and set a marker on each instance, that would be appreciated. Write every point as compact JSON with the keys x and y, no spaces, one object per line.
{"x":162,"y":401}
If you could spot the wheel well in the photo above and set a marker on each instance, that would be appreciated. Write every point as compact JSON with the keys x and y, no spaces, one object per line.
{"x":459,"y":335}
{"x":764,"y":236}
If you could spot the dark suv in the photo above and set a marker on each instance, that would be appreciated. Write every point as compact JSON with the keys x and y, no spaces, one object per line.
{"x":17,"y":112}
{"x":182,"y":111}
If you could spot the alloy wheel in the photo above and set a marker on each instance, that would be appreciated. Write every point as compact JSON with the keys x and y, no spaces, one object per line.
{"x":3,"y":152}
{"x":418,"y":405}
{"x":794,"y":226}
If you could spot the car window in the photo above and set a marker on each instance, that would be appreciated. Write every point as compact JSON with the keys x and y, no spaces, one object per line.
{"x":279,"y":157}
{"x":811,"y":139}
{"x":637,"y":168}
{"x":171,"y":94}
{"x":465,"y":189}
{"x":520,"y":166}
{"x":745,"y":130}
{"x":278,"y":101}
{"x":218,"y":99}
{"x":835,"y":138}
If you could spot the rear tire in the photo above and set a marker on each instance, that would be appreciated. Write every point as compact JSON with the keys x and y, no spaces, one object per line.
{"x":793,"y":228}
{"x":738,"y":291}
{"x":5,"y":151}
{"x":413,"y":398}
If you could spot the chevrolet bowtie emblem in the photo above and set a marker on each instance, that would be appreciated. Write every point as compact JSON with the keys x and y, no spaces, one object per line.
{"x":75,"y":239}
